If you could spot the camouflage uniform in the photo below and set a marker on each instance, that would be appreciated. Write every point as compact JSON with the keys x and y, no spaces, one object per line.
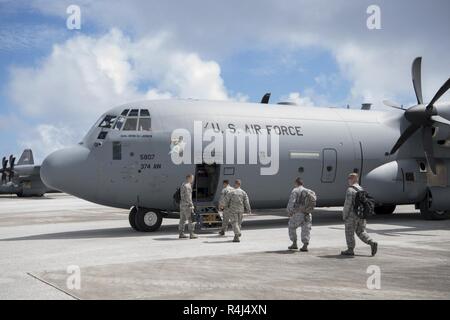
{"x":298,"y":216}
{"x":353,"y":224}
{"x":226,"y":219}
{"x":236,"y":202}
{"x":186,"y":208}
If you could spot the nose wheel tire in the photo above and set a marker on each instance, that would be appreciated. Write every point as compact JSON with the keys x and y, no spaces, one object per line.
{"x":145,"y":220}
{"x":385,"y":209}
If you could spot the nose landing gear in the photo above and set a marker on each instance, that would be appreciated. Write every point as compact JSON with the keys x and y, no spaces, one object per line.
{"x":145,"y":220}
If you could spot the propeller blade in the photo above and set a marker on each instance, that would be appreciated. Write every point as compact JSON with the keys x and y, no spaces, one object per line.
{"x":4,"y":163}
{"x":266,"y":98}
{"x":11,"y":168}
{"x":417,"y":78}
{"x":439,"y":94}
{"x":427,"y":140}
{"x":389,"y":103}
{"x":405,"y":136}
{"x":440,"y":119}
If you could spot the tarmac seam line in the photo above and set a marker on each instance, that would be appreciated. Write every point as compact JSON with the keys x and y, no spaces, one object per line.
{"x":53,"y":286}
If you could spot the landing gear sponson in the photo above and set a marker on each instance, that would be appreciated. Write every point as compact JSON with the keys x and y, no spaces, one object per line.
{"x":145,"y":220}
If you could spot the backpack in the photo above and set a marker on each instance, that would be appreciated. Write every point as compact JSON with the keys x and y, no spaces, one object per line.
{"x":309,"y":200}
{"x":364,"y":205}
{"x":177,"y":196}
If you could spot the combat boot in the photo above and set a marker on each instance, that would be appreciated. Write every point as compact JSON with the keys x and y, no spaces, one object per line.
{"x":236,"y":238}
{"x":373,"y":247}
{"x":182,"y":236}
{"x":293,"y":246}
{"x":304,"y":248}
{"x":193,"y":236}
{"x":221,"y":233}
{"x":348,"y":252}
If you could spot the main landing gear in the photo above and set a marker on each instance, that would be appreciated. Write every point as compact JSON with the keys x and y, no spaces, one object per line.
{"x":429,"y":214}
{"x":145,"y":220}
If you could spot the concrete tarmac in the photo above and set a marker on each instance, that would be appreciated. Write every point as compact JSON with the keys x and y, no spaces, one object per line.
{"x":46,"y":242}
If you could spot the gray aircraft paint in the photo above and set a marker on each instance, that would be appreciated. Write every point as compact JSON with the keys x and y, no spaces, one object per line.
{"x":359,"y":140}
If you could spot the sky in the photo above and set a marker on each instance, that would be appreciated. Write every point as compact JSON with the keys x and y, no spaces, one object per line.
{"x":55,"y":82}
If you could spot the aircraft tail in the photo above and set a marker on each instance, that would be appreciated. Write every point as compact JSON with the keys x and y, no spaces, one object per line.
{"x":26,"y":157}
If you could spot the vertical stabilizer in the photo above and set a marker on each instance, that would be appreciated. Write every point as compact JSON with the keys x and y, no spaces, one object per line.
{"x":26,"y":157}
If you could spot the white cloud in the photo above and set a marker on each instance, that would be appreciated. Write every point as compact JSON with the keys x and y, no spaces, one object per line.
{"x":299,"y":100}
{"x":46,"y":138}
{"x":86,"y":75}
{"x":176,"y":45}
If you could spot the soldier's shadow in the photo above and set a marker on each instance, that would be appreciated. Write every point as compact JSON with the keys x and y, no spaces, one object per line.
{"x":283,"y":252}
{"x":223,"y":241}
{"x":340,"y":256}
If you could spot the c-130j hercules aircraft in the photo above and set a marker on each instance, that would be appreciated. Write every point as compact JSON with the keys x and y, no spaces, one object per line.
{"x":402,"y":156}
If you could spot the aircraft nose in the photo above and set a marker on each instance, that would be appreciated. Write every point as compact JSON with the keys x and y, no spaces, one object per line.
{"x":68,"y":170}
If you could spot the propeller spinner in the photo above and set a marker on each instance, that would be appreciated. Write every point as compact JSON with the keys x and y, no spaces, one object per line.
{"x":422,"y":116}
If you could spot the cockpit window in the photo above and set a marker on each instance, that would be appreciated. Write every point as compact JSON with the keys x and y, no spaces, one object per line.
{"x":145,"y":113}
{"x":134,"y":113}
{"x":134,"y":120}
{"x":130,"y":125}
{"x":107,"y":121}
{"x":144,"y":124}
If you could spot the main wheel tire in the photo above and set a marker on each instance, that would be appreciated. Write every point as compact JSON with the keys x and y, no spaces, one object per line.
{"x":132,"y":218}
{"x":428,"y":214}
{"x":148,"y":220}
{"x":385,"y":209}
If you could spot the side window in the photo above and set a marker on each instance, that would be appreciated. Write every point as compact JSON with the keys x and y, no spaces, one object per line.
{"x":107,"y":122}
{"x":117,"y":150}
{"x":130,"y":125}
{"x":119,"y":123}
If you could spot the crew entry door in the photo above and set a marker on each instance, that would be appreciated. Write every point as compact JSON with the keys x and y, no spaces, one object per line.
{"x":329,"y":165}
{"x":206,"y":182}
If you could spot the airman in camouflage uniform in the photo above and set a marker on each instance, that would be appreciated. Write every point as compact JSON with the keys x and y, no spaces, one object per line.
{"x":236,"y":202}
{"x":354,"y":224}
{"x":186,"y":208}
{"x":298,"y":217}
{"x":226,"y":219}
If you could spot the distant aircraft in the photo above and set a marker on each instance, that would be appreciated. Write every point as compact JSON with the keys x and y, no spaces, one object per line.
{"x":23,"y":178}
{"x":125,"y":160}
